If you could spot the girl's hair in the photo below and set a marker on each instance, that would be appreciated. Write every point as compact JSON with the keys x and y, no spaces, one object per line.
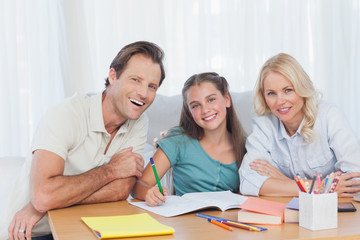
{"x":287,"y":66}
{"x":233,"y":124}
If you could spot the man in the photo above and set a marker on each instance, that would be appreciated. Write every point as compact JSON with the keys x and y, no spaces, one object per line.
{"x":87,"y":149}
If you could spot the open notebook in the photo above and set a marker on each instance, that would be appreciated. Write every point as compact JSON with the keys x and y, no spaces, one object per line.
{"x":189,"y":202}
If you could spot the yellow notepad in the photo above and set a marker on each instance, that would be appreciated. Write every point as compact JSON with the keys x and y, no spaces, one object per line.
{"x":126,"y":226}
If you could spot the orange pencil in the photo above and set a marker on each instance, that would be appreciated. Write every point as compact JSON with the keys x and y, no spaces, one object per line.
{"x":220,"y":224}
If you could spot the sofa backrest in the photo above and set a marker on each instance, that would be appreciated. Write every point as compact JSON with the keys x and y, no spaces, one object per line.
{"x":165,"y":111}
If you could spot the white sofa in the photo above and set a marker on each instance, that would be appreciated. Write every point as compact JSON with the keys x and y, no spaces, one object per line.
{"x":164,"y":113}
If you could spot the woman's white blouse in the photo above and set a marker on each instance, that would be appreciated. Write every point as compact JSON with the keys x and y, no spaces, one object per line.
{"x":336,"y":148}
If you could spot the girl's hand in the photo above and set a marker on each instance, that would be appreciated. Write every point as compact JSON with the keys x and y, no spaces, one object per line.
{"x":154,"y":197}
{"x":264,"y":168}
{"x":348,"y":187}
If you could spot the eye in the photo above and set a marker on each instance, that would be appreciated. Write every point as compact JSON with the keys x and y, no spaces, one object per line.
{"x":153,"y":86}
{"x":194,"y":106}
{"x":135,"y":79}
{"x":270,"y":93}
{"x":211,"y":99}
{"x":288,"y":90}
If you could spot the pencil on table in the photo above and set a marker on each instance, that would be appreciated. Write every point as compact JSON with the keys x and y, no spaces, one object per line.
{"x":220,"y":224}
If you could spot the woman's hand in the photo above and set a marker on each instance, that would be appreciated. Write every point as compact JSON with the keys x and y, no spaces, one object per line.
{"x":154,"y":197}
{"x":348,"y":187}
{"x":23,"y":222}
{"x":264,"y":168}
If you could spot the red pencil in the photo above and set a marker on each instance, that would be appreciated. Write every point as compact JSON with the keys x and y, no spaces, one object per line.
{"x":299,"y":184}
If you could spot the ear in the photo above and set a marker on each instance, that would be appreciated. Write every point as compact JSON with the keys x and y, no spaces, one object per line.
{"x":112,"y":76}
{"x":227,"y":100}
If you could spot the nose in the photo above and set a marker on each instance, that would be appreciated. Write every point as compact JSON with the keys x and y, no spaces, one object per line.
{"x":204,"y":108}
{"x":142,"y":92}
{"x":281,"y":99}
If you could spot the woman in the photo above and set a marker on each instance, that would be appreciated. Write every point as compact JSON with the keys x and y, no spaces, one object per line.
{"x":296,"y":133}
{"x":206,"y":150}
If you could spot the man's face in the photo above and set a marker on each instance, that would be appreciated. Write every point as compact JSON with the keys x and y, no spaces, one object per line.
{"x":134,"y":91}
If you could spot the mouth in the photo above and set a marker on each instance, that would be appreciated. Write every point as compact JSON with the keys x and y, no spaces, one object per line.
{"x":210,"y":117}
{"x":136,"y":102}
{"x":284,"y":110}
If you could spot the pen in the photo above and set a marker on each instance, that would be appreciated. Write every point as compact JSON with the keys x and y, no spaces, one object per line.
{"x":242,"y":226}
{"x":255,"y":228}
{"x":307,"y":185}
{"x":325,"y":184}
{"x":299,"y":184}
{"x":321,"y":186}
{"x":220,"y":224}
{"x":156,"y":176}
{"x":329,"y":183}
{"x":302,"y":183}
{"x":312,"y":184}
{"x":333,"y":185}
{"x":319,"y":180}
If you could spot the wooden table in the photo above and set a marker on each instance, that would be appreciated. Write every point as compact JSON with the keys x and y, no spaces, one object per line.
{"x":66,"y":224}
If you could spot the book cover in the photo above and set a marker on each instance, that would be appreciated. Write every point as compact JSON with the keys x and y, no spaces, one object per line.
{"x":260,"y":208}
{"x":135,"y":225}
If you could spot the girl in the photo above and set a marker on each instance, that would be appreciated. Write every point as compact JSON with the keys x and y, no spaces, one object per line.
{"x":205,"y":150}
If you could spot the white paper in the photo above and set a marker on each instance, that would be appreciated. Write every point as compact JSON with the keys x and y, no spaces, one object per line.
{"x":175,"y":205}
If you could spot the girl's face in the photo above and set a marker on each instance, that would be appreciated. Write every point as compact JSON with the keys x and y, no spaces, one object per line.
{"x":207,"y":106}
{"x":283,"y":101}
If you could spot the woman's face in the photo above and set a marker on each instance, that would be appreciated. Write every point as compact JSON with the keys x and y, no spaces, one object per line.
{"x":207,"y":106}
{"x":283,"y":101}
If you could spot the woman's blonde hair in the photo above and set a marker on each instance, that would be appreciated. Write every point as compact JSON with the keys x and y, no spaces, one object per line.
{"x":287,"y":66}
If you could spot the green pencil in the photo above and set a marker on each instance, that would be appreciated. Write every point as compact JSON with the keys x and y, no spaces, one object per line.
{"x":156,"y":176}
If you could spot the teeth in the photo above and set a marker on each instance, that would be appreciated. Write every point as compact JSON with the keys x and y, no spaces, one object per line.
{"x":211,"y":117}
{"x":283,"y":109}
{"x":136,"y":102}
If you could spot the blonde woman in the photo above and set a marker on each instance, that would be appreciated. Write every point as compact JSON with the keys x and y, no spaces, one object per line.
{"x":296,"y":133}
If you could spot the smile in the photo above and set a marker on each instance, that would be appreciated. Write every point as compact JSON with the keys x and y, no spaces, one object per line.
{"x":284,"y":110}
{"x":210,"y":117}
{"x":136,"y":102}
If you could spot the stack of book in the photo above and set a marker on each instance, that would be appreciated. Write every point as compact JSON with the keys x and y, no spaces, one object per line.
{"x":291,"y":214}
{"x":260,"y":211}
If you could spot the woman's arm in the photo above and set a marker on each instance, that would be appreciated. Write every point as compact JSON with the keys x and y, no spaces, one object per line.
{"x":145,"y":188}
{"x":279,"y":187}
{"x":277,"y":184}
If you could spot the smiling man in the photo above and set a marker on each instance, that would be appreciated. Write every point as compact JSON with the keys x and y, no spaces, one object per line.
{"x":87,"y":149}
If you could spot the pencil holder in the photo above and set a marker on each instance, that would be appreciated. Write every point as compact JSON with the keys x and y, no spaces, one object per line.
{"x":318,"y":211}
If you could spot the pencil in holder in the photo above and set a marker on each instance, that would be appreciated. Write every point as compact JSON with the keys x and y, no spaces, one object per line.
{"x":318,"y":211}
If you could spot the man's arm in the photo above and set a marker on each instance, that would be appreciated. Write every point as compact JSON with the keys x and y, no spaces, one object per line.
{"x":114,"y":191}
{"x":51,"y":189}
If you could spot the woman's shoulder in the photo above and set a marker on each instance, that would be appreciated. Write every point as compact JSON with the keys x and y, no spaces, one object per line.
{"x":328,"y":109}
{"x":267,"y":120}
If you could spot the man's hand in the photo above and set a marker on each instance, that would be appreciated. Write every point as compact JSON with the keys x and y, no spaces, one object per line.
{"x":126,"y":164}
{"x":23,"y":222}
